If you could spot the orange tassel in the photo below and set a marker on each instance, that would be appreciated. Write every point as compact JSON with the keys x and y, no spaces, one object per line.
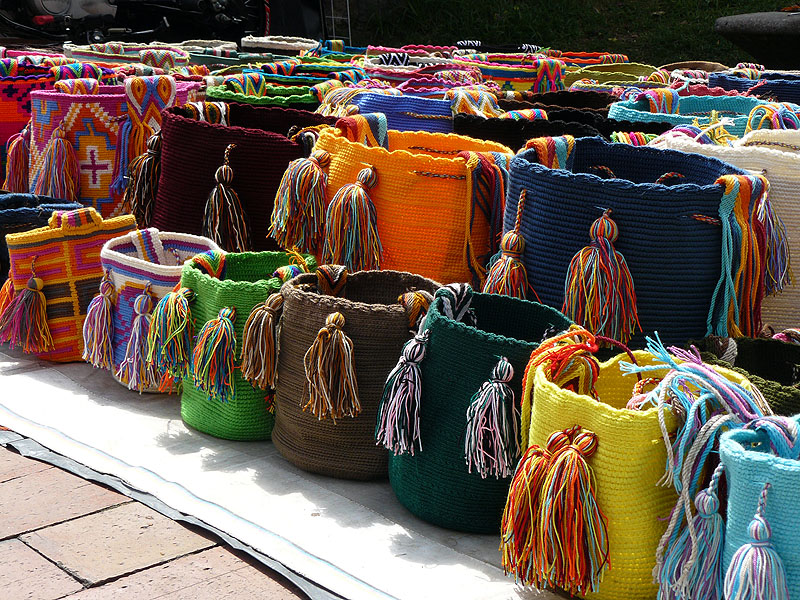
{"x":6,"y":294}
{"x":508,"y":275}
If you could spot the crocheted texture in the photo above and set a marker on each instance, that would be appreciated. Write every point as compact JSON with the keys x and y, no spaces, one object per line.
{"x":141,"y":258}
{"x":659,"y":233}
{"x":518,"y":72}
{"x":378,"y":328}
{"x":15,"y":103}
{"x":628,"y":464}
{"x":747,"y":469}
{"x":298,"y":97}
{"x":407,"y":113}
{"x":192,"y":151}
{"x":428,"y":172}
{"x":435,"y":483}
{"x":247,"y":280}
{"x":23,"y":212}
{"x":609,"y":72}
{"x":67,"y":254}
{"x":776,"y":154}
{"x":563,"y":98}
{"x":783,"y":87}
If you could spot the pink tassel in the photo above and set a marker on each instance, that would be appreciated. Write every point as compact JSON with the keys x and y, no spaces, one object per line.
{"x":18,"y":155}
{"x":98,"y":328}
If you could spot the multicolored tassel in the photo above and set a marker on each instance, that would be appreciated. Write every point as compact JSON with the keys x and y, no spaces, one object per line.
{"x":756,"y":571}
{"x":18,"y":156}
{"x":59,"y":174}
{"x":6,"y":294}
{"x":508,"y":274}
{"x":142,"y":186}
{"x":24,"y":320}
{"x":98,"y":328}
{"x":134,"y":370}
{"x":398,"y":426}
{"x":299,"y":212}
{"x":599,"y":292}
{"x":331,"y":385}
{"x":224,"y":220}
{"x":351,"y":226}
{"x":260,"y":343}
{"x":214,"y":355}
{"x":170,"y":334}
{"x":491,"y":444}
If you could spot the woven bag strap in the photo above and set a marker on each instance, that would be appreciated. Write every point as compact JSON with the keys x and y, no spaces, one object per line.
{"x":148,"y":246}
{"x":331,"y":279}
{"x":74,"y":219}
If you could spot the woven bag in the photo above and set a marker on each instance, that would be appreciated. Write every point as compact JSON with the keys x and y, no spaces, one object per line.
{"x":139,"y":269}
{"x":518,"y":72}
{"x":278,"y":43}
{"x":779,"y":85}
{"x":599,"y":101}
{"x":55,"y":271}
{"x":224,"y":288}
{"x":23,"y":212}
{"x":431,"y":200}
{"x":459,"y":358}
{"x":775,"y":154}
{"x":661,"y":229}
{"x":751,"y":461}
{"x":299,"y":97}
{"x":192,"y":150}
{"x":610,"y":72}
{"x":156,"y":55}
{"x":377,"y":326}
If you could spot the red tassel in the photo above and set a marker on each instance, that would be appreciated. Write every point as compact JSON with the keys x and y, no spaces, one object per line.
{"x":18,"y":155}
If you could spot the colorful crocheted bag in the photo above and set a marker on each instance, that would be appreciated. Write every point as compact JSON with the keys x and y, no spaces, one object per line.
{"x":23,"y":212}
{"x":518,"y":71}
{"x":629,"y":220}
{"x":611,"y":72}
{"x":139,"y":269}
{"x":776,"y":155}
{"x":194,"y":147}
{"x":779,"y":85}
{"x":763,"y":458}
{"x":196,"y":336}
{"x":449,"y":410}
{"x":55,"y":271}
{"x":419,"y":202}
{"x":296,"y":96}
{"x":340,"y":335}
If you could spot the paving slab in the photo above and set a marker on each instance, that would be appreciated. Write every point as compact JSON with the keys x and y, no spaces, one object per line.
{"x":47,"y":497}
{"x":215,"y":574}
{"x":115,"y":542}
{"x":12,"y":465}
{"x":26,"y":575}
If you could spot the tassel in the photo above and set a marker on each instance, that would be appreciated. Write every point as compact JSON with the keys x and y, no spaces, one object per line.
{"x":98,"y":328}
{"x":299,"y":211}
{"x":599,"y":292}
{"x":351,"y":226}
{"x":6,"y":294}
{"x":508,"y":275}
{"x":756,"y":571}
{"x":134,"y":370}
{"x":59,"y":175}
{"x":18,"y":156}
{"x":170,"y":334}
{"x":260,"y":343}
{"x":692,"y":567}
{"x":142,"y":187}
{"x":24,"y":320}
{"x":568,"y":512}
{"x":491,"y":446}
{"x":213,"y":356}
{"x":398,"y":427}
{"x":331,"y":385}
{"x":224,"y":220}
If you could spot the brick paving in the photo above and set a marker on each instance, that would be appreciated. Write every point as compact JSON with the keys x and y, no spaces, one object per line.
{"x":64,"y":537}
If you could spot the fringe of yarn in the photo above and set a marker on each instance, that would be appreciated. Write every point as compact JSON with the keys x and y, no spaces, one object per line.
{"x":491,"y":445}
{"x":98,"y":328}
{"x":135,"y":371}
{"x":351,"y":226}
{"x":214,"y":355}
{"x":18,"y":156}
{"x":24,"y":320}
{"x":142,"y":187}
{"x":224,"y":220}
{"x":170,"y":335}
{"x":331,"y":385}
{"x":59,"y":174}
{"x":508,"y":274}
{"x":298,"y":216}
{"x":7,"y":293}
{"x":260,"y":343}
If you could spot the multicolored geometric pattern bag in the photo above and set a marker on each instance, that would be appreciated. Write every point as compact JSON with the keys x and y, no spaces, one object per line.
{"x":139,"y":269}
{"x":518,"y":71}
{"x":55,"y":271}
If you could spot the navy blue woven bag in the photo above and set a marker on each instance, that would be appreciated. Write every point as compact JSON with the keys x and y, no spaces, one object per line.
{"x":669,"y":233}
{"x":23,"y":212}
{"x":783,"y":87}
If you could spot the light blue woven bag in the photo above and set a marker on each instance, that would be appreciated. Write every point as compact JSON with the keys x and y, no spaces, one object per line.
{"x":752,"y":458}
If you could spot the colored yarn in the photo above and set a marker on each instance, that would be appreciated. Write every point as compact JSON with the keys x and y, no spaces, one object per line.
{"x":553,"y":152}
{"x":351,"y":226}
{"x":331,"y":279}
{"x":214,"y":355}
{"x":7,"y":293}
{"x":633,"y":138}
{"x":83,"y":87}
{"x":416,"y":305}
{"x":98,"y":328}
{"x":473,"y":102}
{"x":773,"y":115}
{"x":508,"y":275}
{"x":135,"y":370}
{"x":260,"y":343}
{"x":170,"y":336}
{"x":59,"y":175}
{"x":24,"y":320}
{"x":331,"y":384}
{"x":224,"y":220}
{"x":18,"y":154}
{"x":142,"y":188}
{"x":664,"y":100}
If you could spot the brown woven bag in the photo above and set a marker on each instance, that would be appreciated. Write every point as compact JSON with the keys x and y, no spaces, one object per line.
{"x":377,"y":312}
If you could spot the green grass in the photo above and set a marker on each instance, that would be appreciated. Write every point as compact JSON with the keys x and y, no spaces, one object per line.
{"x":648,"y":31}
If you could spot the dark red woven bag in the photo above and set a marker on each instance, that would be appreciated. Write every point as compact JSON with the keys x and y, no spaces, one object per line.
{"x":192,"y":150}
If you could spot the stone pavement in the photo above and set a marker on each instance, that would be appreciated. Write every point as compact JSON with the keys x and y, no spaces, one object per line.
{"x":64,"y":537}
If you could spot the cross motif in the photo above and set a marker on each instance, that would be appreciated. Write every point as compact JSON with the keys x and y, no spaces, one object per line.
{"x":94,"y":166}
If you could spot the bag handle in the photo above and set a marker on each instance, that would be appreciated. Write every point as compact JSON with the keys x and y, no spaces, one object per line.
{"x":75,"y":219}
